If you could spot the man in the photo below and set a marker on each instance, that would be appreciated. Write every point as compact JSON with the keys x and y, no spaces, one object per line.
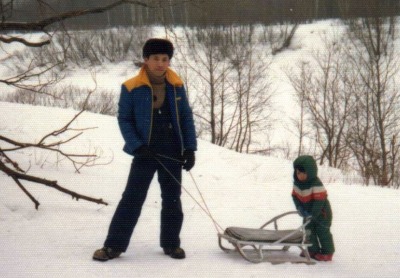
{"x":157,"y":125}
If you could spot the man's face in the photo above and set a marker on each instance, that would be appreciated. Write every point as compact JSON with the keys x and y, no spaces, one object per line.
{"x":157,"y":64}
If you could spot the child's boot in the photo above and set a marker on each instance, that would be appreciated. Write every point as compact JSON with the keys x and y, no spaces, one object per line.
{"x":323,"y":257}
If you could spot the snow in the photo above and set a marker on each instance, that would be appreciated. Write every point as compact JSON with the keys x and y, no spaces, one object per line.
{"x":59,"y":239}
{"x":240,"y":190}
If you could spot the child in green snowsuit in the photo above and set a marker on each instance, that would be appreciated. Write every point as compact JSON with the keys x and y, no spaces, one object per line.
{"x":311,"y":200}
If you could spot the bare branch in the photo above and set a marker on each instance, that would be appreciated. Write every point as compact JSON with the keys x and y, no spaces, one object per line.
{"x":42,"y":24}
{"x":54,"y":140}
{"x":16,"y":176}
{"x":30,"y":196}
{"x":8,"y":160}
{"x":23,"y":41}
{"x":54,"y":146}
{"x":21,"y":80}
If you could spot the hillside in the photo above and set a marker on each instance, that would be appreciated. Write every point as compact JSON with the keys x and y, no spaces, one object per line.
{"x":243,"y":190}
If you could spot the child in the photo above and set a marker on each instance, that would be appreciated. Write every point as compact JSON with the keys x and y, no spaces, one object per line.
{"x":311,"y":200}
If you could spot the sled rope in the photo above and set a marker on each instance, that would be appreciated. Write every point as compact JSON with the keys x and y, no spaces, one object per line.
{"x":205,"y":204}
{"x":205,"y":208}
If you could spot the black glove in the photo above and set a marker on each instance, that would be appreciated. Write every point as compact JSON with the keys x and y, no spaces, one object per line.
{"x":188,"y":160}
{"x":145,"y":152}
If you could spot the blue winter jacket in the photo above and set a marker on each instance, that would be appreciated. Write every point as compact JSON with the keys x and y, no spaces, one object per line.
{"x":135,"y":112}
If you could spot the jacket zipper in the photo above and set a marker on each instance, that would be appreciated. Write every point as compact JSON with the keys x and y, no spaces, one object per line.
{"x":151,"y":115}
{"x":178,"y":120}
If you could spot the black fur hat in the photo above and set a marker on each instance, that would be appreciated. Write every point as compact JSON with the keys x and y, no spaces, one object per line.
{"x":158,"y":46}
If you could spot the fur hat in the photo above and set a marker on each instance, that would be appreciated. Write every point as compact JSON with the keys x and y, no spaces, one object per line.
{"x":158,"y":46}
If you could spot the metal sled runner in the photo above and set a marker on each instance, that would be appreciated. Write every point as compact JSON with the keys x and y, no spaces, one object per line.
{"x":255,"y":245}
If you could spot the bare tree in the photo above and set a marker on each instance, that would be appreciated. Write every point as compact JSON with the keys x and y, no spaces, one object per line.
{"x":301,"y":83}
{"x":377,"y":67}
{"x":234,"y":99}
{"x":31,"y":79}
{"x":321,"y":86}
{"x":251,"y":89}
{"x":207,"y":58}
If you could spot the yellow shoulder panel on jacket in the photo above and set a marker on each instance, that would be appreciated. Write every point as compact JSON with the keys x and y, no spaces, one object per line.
{"x":173,"y":78}
{"x":140,"y":79}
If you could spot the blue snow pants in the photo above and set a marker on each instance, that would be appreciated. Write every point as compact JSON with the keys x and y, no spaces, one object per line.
{"x":129,"y":208}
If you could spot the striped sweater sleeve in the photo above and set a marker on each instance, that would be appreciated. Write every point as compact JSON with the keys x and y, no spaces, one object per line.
{"x":314,"y":198}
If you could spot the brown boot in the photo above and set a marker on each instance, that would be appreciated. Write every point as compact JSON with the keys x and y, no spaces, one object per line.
{"x":105,"y":254}
{"x":175,"y":253}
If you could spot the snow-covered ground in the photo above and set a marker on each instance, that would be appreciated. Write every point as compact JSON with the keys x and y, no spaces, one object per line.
{"x":59,"y":239}
{"x":241,"y":190}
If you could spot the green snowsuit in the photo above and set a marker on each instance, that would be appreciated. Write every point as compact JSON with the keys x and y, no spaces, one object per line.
{"x":311,"y":197}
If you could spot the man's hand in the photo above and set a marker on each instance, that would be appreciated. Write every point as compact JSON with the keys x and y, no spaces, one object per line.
{"x":188,"y":160}
{"x":145,"y":152}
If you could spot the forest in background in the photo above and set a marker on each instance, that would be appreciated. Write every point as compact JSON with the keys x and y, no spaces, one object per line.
{"x":198,"y":12}
{"x":347,"y":92}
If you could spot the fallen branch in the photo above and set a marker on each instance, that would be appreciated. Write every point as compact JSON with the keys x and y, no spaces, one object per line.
{"x":55,"y":146}
{"x":17,"y":176}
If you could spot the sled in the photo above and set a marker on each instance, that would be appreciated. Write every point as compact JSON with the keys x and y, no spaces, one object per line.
{"x":263,"y":244}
